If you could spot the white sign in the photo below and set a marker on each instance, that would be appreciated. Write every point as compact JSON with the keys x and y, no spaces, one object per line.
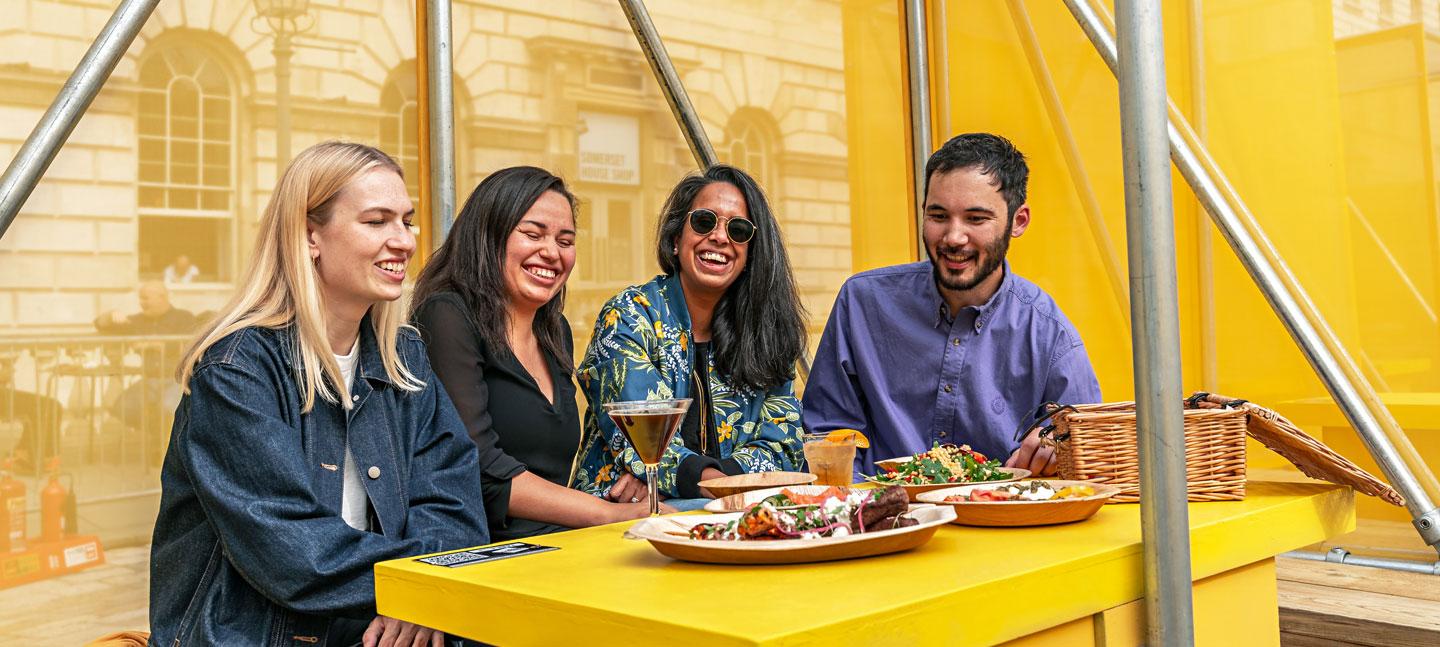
{"x":609,"y":149}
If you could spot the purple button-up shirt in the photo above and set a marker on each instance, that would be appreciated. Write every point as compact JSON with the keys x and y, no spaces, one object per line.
{"x":894,"y":364}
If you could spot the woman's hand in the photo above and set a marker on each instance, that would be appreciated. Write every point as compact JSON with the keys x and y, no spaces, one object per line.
{"x":628,"y":489}
{"x":389,"y":632}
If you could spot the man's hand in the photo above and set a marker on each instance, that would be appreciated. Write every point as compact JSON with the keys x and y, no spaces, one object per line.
{"x":389,"y":632}
{"x":629,"y":489}
{"x":1034,"y":455}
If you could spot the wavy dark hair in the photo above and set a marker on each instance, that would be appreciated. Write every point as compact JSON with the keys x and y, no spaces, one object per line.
{"x":994,"y":155}
{"x":472,"y":259}
{"x":758,"y":330}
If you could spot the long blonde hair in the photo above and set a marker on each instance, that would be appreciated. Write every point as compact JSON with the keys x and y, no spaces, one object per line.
{"x":281,"y":287}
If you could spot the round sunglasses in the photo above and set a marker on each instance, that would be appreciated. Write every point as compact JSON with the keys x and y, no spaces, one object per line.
{"x":703,"y":221}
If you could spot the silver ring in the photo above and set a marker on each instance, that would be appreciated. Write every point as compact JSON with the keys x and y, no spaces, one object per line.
{"x":634,"y":499}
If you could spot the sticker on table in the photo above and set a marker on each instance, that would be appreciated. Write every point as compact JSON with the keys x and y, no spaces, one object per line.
{"x":480,"y":555}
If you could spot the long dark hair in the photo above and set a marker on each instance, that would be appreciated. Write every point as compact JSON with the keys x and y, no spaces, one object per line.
{"x":471,"y":262}
{"x":759,"y":325}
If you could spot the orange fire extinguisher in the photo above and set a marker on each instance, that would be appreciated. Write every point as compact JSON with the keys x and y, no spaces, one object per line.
{"x":12,"y":510}
{"x":52,"y":505}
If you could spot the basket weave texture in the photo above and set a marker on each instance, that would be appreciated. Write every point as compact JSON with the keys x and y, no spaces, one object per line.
{"x":1096,"y":442}
{"x":1313,"y":458}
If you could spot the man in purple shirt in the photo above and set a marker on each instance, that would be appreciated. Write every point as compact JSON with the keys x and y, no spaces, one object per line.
{"x":957,"y":349}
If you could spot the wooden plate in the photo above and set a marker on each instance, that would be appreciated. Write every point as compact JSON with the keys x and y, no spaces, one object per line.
{"x":1023,"y":513}
{"x":742,"y":501}
{"x":914,"y":491}
{"x":670,"y":536}
{"x":728,"y":485}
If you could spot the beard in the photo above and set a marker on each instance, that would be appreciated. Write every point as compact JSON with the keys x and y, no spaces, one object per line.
{"x":990,"y":258}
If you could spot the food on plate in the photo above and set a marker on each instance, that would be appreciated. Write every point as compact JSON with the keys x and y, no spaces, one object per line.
{"x":943,"y":464}
{"x":1023,"y":491}
{"x":836,"y":512}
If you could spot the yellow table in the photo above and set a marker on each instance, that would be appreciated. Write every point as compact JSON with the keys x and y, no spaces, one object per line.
{"x":1061,"y":585}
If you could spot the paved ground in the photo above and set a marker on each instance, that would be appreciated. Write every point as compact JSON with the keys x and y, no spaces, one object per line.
{"x":77,"y":608}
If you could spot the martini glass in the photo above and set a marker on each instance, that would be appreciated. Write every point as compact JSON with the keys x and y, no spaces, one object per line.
{"x":649,"y":425}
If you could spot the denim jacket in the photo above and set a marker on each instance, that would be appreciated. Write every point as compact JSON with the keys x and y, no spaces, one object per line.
{"x":249,"y":546}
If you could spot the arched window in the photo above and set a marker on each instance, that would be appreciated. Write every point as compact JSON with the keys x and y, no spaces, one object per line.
{"x":186,"y":188}
{"x":186,"y":132}
{"x":751,"y":147}
{"x":400,"y":124}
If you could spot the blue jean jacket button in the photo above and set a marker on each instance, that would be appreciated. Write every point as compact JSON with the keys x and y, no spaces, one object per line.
{"x":374,"y":472}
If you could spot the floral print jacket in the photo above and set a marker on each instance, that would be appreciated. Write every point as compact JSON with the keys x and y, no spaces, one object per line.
{"x":641,"y":351}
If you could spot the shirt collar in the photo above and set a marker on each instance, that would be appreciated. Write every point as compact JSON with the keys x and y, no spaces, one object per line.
{"x":983,"y":312}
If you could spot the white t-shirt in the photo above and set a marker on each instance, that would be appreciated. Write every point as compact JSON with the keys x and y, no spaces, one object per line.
{"x":353,"y":504}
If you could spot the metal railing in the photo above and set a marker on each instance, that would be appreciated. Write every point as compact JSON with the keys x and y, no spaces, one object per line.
{"x":92,"y":401}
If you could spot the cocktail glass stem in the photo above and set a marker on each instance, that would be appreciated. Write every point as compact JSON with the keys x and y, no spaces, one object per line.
{"x":652,"y":476}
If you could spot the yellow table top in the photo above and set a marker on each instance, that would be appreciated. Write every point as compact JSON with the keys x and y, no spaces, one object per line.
{"x":968,"y":585}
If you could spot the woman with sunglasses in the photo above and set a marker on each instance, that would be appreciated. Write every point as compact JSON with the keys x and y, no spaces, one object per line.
{"x":722,"y":325}
{"x":489,"y":308}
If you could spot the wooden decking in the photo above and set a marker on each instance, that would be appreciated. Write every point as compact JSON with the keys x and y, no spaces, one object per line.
{"x":1337,"y":604}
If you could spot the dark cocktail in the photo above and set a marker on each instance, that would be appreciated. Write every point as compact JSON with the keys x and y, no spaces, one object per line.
{"x":649,"y":425}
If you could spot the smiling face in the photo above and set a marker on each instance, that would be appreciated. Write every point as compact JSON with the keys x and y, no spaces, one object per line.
{"x":709,"y":264}
{"x":967,"y":233}
{"x":540,"y":252}
{"x":362,"y":252}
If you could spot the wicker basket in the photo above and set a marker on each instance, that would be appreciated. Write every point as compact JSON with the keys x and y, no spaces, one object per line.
{"x":1096,"y":442}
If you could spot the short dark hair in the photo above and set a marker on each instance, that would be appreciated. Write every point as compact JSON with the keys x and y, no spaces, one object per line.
{"x":758,"y":331}
{"x":472,"y":259}
{"x":993,"y":154}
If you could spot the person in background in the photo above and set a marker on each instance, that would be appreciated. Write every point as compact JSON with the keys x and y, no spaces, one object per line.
{"x":313,"y":440}
{"x":955,"y":349}
{"x":181,"y":271}
{"x":156,"y":317}
{"x":722,"y":325}
{"x":489,"y":307}
{"x":147,"y":404}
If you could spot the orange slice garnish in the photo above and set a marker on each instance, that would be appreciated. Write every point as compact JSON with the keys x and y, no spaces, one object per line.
{"x":844,"y":435}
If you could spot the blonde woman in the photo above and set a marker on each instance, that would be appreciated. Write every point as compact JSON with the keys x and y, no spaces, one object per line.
{"x":313,"y":440}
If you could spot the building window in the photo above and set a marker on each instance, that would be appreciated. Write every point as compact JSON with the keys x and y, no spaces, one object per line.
{"x":751,"y":149}
{"x":186,"y":186}
{"x":400,"y":124}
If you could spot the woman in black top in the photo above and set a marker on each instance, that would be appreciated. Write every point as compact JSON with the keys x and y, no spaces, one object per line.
{"x":490,"y":305}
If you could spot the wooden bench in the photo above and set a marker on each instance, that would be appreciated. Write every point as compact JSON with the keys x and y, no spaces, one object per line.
{"x":1324,"y":603}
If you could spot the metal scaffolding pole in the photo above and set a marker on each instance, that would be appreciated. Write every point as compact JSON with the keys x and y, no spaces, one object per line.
{"x":917,"y":47}
{"x":441,"y":116}
{"x":669,"y":81}
{"x":1286,"y":297}
{"x":1155,"y":324}
{"x":69,"y":106}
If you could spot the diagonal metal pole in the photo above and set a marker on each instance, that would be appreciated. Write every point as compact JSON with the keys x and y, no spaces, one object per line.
{"x":1155,"y":323}
{"x":69,"y":106}
{"x":1084,"y":189}
{"x":1327,"y":356}
{"x":669,"y":80}
{"x":441,"y":115}
{"x":917,"y":48}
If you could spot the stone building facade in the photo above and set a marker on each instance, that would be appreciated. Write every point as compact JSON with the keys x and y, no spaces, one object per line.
{"x":178,"y":153}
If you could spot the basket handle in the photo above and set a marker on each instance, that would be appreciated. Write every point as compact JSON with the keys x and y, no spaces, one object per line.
{"x":1045,"y":411}
{"x":1193,"y":402}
